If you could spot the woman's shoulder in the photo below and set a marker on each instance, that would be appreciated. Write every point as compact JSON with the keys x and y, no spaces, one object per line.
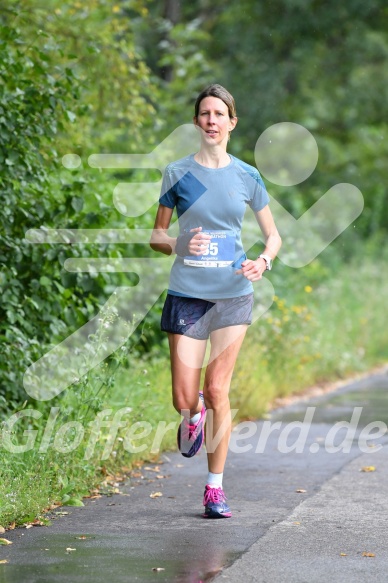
{"x":180,"y":164}
{"x":246,"y":169}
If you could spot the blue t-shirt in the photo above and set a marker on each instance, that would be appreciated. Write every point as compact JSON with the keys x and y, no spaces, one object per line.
{"x":214,"y":199}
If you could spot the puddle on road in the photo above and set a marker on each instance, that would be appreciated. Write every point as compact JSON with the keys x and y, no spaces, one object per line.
{"x":339,"y":406}
{"x":112,"y":559}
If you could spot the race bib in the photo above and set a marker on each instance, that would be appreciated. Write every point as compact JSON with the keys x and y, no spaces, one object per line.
{"x":220,"y":252}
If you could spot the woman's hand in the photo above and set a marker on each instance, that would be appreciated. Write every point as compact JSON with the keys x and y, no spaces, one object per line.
{"x":252,"y":270}
{"x":199,"y":243}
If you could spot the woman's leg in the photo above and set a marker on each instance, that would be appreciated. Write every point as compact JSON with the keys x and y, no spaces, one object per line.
{"x":187,"y":356}
{"x":225,"y":344}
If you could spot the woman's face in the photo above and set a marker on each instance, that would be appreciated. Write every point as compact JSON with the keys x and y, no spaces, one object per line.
{"x":214,"y":121}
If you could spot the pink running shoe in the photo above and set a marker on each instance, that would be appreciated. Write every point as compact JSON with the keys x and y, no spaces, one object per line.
{"x":215,"y":504}
{"x":191,"y":437}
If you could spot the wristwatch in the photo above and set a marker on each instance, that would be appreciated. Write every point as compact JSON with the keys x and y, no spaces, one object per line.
{"x":268,"y":261}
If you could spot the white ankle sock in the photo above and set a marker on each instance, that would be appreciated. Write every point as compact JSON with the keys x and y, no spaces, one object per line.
{"x":214,"y":480}
{"x":195,"y":419}
{"x":197,"y":416}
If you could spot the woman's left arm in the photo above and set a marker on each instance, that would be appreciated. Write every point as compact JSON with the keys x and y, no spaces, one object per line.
{"x":253,"y":270}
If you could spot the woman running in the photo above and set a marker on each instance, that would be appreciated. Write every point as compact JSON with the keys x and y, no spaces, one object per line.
{"x":210,"y":294}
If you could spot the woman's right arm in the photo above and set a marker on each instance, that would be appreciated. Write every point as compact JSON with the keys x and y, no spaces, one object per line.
{"x":160,"y":240}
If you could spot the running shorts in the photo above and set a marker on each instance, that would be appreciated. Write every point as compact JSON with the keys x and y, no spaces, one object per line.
{"x":197,"y":318}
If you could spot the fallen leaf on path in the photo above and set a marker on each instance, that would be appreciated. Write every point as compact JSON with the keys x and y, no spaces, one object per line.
{"x":94,"y":491}
{"x":155,"y":469}
{"x":158,"y":569}
{"x":368,"y":555}
{"x":112,"y":480}
{"x":296,"y":523}
{"x":368,"y":469}
{"x":69,"y":550}
{"x":38,"y":522}
{"x":161,"y":476}
{"x":81,"y":537}
{"x":62,"y":513}
{"x":2,"y":529}
{"x":301,"y":491}
{"x":3,"y":562}
{"x":156,"y":494}
{"x":4,"y":541}
{"x":179,"y":465}
{"x":29,"y":525}
{"x":12,"y":526}
{"x":343,"y":555}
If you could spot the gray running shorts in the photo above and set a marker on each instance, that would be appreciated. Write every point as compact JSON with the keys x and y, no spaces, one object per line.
{"x":198,"y":318}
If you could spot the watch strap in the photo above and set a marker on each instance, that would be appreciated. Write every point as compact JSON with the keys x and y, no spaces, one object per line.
{"x":268,"y":261}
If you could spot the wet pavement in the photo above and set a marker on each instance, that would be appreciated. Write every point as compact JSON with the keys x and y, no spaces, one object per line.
{"x":297,"y":495}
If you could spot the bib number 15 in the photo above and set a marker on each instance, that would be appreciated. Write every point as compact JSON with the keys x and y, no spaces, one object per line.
{"x":212,"y":249}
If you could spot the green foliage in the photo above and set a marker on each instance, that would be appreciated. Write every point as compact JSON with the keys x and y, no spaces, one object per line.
{"x":176,"y":53}
{"x":314,"y":63}
{"x":40,"y":97}
{"x":34,"y":100}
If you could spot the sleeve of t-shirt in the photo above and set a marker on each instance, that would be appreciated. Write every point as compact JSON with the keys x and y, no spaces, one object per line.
{"x":168,"y":191}
{"x":259,"y":196}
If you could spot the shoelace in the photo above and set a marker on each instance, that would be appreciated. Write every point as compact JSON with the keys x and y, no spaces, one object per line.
{"x":190,"y":431}
{"x":214,"y":495}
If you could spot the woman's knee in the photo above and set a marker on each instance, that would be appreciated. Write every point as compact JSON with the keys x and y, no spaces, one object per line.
{"x":216,"y":396}
{"x":184,"y":402}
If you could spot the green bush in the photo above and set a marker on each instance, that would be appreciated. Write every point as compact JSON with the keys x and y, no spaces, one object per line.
{"x":44,"y":103}
{"x":39,"y":300}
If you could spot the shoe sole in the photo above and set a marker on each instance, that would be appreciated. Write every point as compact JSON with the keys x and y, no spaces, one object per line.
{"x":188,"y":454}
{"x":218,"y":515}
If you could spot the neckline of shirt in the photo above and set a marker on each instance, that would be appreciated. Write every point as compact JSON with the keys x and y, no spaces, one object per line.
{"x":231,"y":163}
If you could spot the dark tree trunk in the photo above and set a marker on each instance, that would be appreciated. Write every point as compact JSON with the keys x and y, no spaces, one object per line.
{"x":172,"y":13}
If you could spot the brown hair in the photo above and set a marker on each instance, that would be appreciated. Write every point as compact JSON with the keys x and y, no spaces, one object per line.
{"x":216,"y":90}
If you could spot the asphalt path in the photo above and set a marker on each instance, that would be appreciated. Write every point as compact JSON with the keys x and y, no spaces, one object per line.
{"x":309,"y":503}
